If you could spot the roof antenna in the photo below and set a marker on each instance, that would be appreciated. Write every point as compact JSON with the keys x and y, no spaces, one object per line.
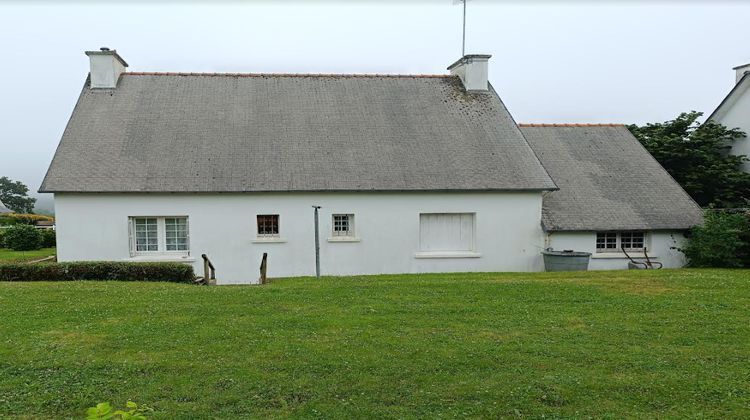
{"x":463,"y":39}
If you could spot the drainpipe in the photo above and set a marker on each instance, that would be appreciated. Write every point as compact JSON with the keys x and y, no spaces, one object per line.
{"x":317,"y":243}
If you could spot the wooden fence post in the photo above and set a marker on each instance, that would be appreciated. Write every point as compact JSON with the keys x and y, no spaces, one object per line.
{"x":206,"y":275}
{"x":263,"y":264}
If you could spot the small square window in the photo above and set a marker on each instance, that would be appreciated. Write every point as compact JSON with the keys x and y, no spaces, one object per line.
{"x":268,"y":225}
{"x":343,"y":225}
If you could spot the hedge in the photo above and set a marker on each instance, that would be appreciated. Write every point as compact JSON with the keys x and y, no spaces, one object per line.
{"x":48,"y":238}
{"x":22,"y":238}
{"x":117,"y":271}
{"x":23,"y":218}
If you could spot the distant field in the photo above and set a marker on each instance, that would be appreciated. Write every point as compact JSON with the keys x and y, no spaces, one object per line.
{"x":10,"y":256}
{"x":595,"y":344}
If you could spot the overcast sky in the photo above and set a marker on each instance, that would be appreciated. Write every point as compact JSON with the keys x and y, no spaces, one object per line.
{"x":553,"y":61}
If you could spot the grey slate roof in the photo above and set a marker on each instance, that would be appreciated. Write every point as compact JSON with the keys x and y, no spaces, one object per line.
{"x":607,"y":181}
{"x":245,"y":133}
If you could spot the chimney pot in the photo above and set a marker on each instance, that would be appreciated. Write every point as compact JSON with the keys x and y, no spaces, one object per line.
{"x":472,"y":69}
{"x":106,"y":66}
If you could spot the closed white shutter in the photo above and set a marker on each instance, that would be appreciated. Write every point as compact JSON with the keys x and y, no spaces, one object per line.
{"x":131,"y":236}
{"x":187,"y":234}
{"x":446,"y":231}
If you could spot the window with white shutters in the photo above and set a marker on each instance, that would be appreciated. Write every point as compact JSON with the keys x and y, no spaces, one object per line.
{"x":441,"y":232}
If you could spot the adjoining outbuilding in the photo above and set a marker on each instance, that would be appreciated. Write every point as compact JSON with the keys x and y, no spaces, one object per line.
{"x":613,"y":195}
{"x":414,"y":173}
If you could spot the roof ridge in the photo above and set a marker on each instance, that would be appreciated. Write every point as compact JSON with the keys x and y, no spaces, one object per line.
{"x":149,"y":73}
{"x":572,"y":125}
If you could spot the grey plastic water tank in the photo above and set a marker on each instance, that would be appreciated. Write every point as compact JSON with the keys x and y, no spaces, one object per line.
{"x":566,"y":260}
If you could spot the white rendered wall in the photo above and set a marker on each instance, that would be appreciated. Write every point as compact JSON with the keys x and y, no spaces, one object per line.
{"x":659,"y":244}
{"x":736,"y":114}
{"x":508,"y":232}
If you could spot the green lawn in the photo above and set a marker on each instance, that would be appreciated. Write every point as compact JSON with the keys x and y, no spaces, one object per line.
{"x":10,"y":256}
{"x":597,"y":344}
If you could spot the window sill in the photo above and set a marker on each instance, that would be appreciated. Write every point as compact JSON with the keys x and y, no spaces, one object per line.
{"x":161,"y":258}
{"x":447,"y":254}
{"x":269,"y":240}
{"x":620,"y":256}
{"x":344,"y":239}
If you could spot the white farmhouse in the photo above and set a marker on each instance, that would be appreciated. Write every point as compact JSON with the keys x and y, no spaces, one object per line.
{"x":413,"y":173}
{"x":734,"y":111}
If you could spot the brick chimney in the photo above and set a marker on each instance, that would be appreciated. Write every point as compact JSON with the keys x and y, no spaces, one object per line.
{"x":106,"y":68}
{"x":472,"y":69}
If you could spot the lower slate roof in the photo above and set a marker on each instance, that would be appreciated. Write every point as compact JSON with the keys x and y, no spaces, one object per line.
{"x":607,"y":181}
{"x":184,"y":132}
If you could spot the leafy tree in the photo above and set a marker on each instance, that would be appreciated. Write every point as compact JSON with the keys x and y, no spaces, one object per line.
{"x":14,"y":195}
{"x":696,"y":155}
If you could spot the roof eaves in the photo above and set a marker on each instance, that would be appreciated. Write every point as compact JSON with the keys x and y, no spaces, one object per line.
{"x":342,"y":75}
{"x":525,"y":125}
{"x":322,"y":190}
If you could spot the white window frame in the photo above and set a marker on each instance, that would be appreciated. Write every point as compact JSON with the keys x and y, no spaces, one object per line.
{"x":268,"y":235}
{"x":610,"y":235}
{"x":350,"y":232}
{"x":161,"y":232}
{"x":618,"y":243}
{"x":471,"y":252}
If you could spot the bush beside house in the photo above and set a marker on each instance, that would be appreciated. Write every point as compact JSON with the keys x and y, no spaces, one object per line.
{"x":49,"y":238}
{"x":22,"y":238}
{"x":723,"y":241}
{"x":105,"y":270}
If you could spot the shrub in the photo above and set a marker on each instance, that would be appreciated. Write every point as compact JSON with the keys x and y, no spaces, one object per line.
{"x":719,"y":241}
{"x":5,"y":220}
{"x":49,"y":238}
{"x":2,"y":238}
{"x":95,"y":270}
{"x":22,"y":238}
